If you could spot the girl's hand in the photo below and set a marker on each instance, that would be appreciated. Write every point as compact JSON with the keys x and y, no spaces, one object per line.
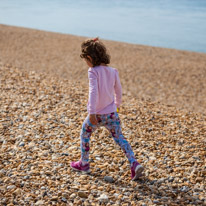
{"x":93,"y":119}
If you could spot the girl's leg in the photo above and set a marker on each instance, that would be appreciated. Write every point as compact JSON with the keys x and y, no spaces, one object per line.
{"x":86,"y":132}
{"x":113,"y":125}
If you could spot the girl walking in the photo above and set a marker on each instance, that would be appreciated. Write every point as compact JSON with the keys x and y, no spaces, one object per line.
{"x":105,"y":94}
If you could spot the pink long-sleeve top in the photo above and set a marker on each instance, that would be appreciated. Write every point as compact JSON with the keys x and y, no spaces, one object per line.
{"x":105,"y":91}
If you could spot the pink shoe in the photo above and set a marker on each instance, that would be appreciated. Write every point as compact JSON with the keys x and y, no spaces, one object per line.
{"x":136,"y":170}
{"x":79,"y":167}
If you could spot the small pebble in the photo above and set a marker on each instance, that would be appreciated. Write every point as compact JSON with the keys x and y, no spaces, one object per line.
{"x":82,"y":194}
{"x":109,"y":179}
{"x":103,"y":198}
{"x":10,"y":187}
{"x":21,"y":144}
{"x":64,"y":199}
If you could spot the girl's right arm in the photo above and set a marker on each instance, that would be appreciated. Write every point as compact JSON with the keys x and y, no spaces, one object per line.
{"x":118,"y":90}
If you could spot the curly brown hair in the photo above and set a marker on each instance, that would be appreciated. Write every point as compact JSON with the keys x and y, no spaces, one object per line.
{"x":96,"y":50}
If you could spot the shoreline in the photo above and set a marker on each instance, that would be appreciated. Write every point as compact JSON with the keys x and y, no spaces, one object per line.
{"x":170,"y":76}
{"x":108,"y":40}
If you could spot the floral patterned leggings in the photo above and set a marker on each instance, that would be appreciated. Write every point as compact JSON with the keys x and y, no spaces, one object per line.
{"x":112,"y":123}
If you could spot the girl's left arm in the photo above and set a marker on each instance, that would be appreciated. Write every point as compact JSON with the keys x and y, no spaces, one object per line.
{"x":93,"y":91}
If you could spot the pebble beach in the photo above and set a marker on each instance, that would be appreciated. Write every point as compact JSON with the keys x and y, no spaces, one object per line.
{"x":43,"y":98}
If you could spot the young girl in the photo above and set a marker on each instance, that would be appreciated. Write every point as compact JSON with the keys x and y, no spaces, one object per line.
{"x":105,"y":94}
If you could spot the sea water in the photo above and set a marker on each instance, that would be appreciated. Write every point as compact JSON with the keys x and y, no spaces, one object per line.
{"x":179,"y":24}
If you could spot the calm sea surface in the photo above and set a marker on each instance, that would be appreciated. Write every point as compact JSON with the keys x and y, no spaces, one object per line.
{"x":179,"y":24}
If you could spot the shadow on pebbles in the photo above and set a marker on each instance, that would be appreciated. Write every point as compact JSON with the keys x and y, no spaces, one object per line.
{"x":40,"y":122}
